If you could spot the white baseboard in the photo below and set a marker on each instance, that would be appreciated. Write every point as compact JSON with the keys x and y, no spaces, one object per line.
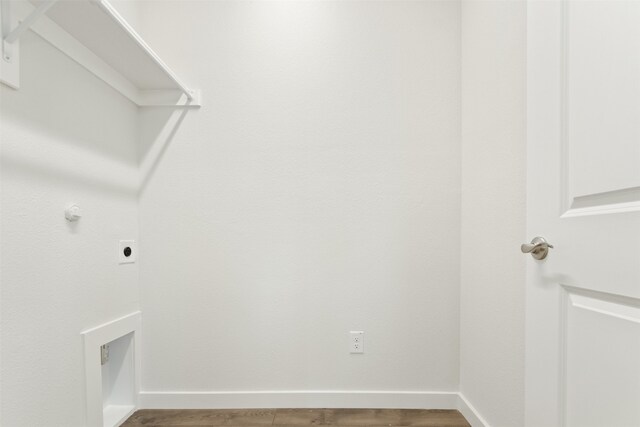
{"x":299,"y":399}
{"x":470,"y":412}
{"x":312,"y":399}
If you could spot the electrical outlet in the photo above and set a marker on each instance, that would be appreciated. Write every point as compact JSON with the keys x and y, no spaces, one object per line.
{"x":127,"y":251}
{"x":356,"y":342}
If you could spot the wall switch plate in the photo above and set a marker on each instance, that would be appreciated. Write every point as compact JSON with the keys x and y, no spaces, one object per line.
{"x":127,"y":251}
{"x":356,"y":342}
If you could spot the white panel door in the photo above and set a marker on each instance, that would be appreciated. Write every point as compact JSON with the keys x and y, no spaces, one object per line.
{"x":583,"y":196}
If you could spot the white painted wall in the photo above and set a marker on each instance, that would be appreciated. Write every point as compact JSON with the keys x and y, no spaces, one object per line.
{"x":493,"y":209}
{"x":317,"y":191}
{"x":66,"y":137}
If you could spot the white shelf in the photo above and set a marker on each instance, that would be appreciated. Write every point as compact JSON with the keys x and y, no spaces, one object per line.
{"x":94,"y":34}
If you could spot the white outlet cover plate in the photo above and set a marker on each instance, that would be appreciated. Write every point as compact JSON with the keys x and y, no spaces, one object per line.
{"x":122,"y":245}
{"x":356,"y":342}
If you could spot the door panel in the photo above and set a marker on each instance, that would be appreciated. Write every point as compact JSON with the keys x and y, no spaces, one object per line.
{"x":602,"y":107}
{"x":583,"y":196}
{"x":602,"y":342}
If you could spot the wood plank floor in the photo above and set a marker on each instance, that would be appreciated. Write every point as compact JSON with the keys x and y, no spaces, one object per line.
{"x":296,"y":417}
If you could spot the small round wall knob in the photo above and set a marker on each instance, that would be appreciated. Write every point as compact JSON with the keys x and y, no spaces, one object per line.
{"x":72,"y":213}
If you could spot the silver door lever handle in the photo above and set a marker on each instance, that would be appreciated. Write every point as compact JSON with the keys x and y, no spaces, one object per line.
{"x":538,"y":248}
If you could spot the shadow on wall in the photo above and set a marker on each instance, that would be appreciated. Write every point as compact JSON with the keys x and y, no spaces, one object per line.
{"x":65,"y":126}
{"x":61,"y":100}
{"x":158,"y":127}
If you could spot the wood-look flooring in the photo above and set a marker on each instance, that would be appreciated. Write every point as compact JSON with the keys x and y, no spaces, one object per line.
{"x":296,"y":417}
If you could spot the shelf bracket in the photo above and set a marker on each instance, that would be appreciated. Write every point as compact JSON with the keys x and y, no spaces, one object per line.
{"x":9,"y":64}
{"x":23,"y":26}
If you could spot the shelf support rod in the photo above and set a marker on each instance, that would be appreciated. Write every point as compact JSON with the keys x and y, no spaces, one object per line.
{"x":28,"y":21}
